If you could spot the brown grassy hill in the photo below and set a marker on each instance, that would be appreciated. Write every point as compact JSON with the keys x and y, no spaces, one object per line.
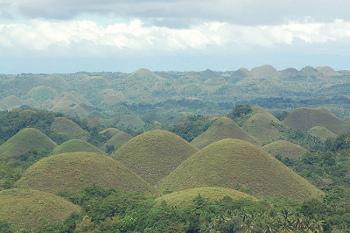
{"x":185,"y":197}
{"x":11,"y":101}
{"x":309,"y":71}
{"x":42,"y":93}
{"x":222,"y":128}
{"x":25,"y":140}
{"x":321,"y":132}
{"x":232,"y":163}
{"x":285,"y":149}
{"x":68,"y":128}
{"x":111,"y":131}
{"x":265,"y":71}
{"x":327,"y":71}
{"x":242,"y":73}
{"x":72,"y":171}
{"x":76,"y":145}
{"x":25,"y":208}
{"x":145,"y":75}
{"x":306,"y":118}
{"x":289,"y":73}
{"x":73,"y":96}
{"x":154,"y":154}
{"x":118,"y":139}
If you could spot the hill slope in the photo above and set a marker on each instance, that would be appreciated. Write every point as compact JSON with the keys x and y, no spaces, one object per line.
{"x":72,"y":171}
{"x":265,"y":71}
{"x":68,"y":128}
{"x":284,"y":148}
{"x":76,"y":145}
{"x":118,"y":139}
{"x":321,"y":132}
{"x":26,"y":208}
{"x":234,"y":163}
{"x":25,"y":140}
{"x":222,"y":128}
{"x":154,"y":154}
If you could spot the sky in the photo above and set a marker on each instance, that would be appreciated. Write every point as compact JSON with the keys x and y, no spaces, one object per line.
{"x":66,"y":36}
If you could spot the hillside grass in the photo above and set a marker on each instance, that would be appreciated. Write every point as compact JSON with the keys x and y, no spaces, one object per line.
{"x":25,"y":140}
{"x":222,"y":128}
{"x":185,"y":197}
{"x":118,"y":140}
{"x":68,"y":128}
{"x":285,"y":149}
{"x":25,"y":208}
{"x":76,"y":145}
{"x":265,"y":71}
{"x":154,"y":154}
{"x":321,"y":132}
{"x":235,"y":164}
{"x":72,"y":171}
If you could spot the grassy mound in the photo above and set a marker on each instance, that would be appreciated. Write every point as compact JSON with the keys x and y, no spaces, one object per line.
{"x":76,"y":145}
{"x":25,"y":140}
{"x":42,"y":93}
{"x":306,"y":118}
{"x":154,"y":154}
{"x":11,"y":101}
{"x":110,"y":131}
{"x":112,"y":100}
{"x":130,"y":121}
{"x":232,"y":163}
{"x":242,"y":73}
{"x":327,"y":71}
{"x":309,"y":71}
{"x":144,"y":75}
{"x":26,"y":208}
{"x":72,"y":171}
{"x":118,"y":139}
{"x":265,"y":71}
{"x":185,"y":197}
{"x":289,"y":73}
{"x":222,"y":128}
{"x":285,"y":149}
{"x":68,"y":128}
{"x":321,"y":132}
{"x":260,"y":125}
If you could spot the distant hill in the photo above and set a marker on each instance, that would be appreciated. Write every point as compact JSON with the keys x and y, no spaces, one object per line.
{"x":265,"y":71}
{"x":154,"y":154}
{"x":11,"y":101}
{"x":327,"y":71}
{"x":289,"y":73}
{"x":234,"y":163}
{"x":185,"y":197}
{"x":309,"y":71}
{"x":285,"y":149}
{"x":321,"y":132}
{"x":222,"y":128}
{"x":68,"y":128}
{"x":25,"y":140}
{"x":26,"y":208}
{"x":76,"y":145}
{"x":42,"y":93}
{"x":130,"y":121}
{"x":242,"y":73}
{"x":72,"y":171}
{"x":118,"y":139}
{"x":306,"y":118}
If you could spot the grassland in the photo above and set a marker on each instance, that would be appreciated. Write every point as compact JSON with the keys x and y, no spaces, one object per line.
{"x":25,"y":208}
{"x":72,"y":171}
{"x":221,"y":129}
{"x":185,"y":197}
{"x":76,"y":145}
{"x":321,"y":132}
{"x":68,"y":128}
{"x":233,"y":163}
{"x":154,"y":154}
{"x":25,"y":140}
{"x":285,"y":149}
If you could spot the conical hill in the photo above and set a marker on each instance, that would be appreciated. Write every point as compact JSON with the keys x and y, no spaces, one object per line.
{"x":222,"y":128}
{"x":69,"y":129}
{"x":265,"y":71}
{"x":185,"y":197}
{"x":118,"y":139}
{"x":327,"y":71}
{"x":25,"y":140}
{"x":232,"y":163}
{"x":25,"y":208}
{"x":76,"y":145}
{"x":154,"y":154}
{"x":306,"y":118}
{"x":285,"y":149}
{"x":321,"y":132}
{"x":72,"y":171}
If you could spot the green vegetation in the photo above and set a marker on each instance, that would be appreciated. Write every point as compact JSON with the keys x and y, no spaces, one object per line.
{"x":117,"y":141}
{"x":66,"y":127}
{"x":285,"y":149}
{"x":25,"y":208}
{"x":233,"y":163}
{"x":154,"y":154}
{"x":71,"y":171}
{"x":265,"y":71}
{"x":76,"y":145}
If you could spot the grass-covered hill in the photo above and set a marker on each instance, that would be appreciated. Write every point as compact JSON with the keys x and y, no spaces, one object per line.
{"x":222,"y":128}
{"x":185,"y":197}
{"x":306,"y":118}
{"x":118,"y":139}
{"x":233,"y":163}
{"x":25,"y":208}
{"x":72,"y":171}
{"x":154,"y":154}
{"x":327,"y":71}
{"x":71,"y":130}
{"x":321,"y":132}
{"x":285,"y":149}
{"x":25,"y":140}
{"x":76,"y":145}
{"x":261,"y":126}
{"x":265,"y":71}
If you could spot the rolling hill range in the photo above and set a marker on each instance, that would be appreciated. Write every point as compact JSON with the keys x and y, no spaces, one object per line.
{"x":26,"y":208}
{"x":72,"y":171}
{"x":233,"y":163}
{"x":154,"y":154}
{"x":25,"y":140}
{"x":76,"y":145}
{"x":185,"y":197}
{"x":222,"y":128}
{"x":285,"y":149}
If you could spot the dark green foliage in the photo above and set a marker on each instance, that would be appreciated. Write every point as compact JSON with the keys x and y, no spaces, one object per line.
{"x":281,"y":116}
{"x":5,"y":227}
{"x":239,"y":111}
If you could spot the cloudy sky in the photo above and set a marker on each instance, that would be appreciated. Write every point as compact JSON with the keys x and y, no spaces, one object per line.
{"x":47,"y":36}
